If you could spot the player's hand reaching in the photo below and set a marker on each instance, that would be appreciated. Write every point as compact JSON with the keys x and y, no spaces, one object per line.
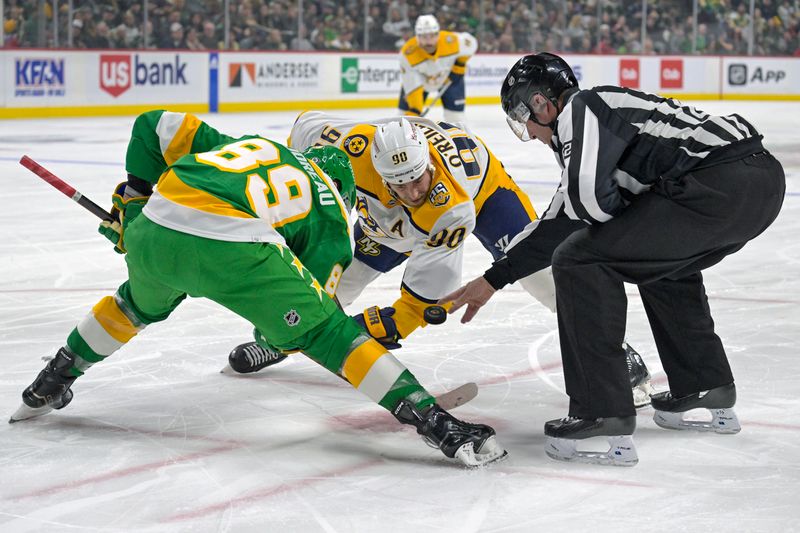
{"x":378,"y":322}
{"x":125,"y":209}
{"x":474,"y":295}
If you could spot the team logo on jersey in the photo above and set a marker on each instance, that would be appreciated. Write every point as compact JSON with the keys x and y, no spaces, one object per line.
{"x":368,"y":224}
{"x":292,"y":318}
{"x":355,"y":144}
{"x":439,"y":196}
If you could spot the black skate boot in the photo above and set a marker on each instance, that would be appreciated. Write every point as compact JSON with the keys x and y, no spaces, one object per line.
{"x":563,"y":436}
{"x":51,"y":388}
{"x":251,"y":357}
{"x":639,"y":377}
{"x":472,"y":444}
{"x":719,"y":402}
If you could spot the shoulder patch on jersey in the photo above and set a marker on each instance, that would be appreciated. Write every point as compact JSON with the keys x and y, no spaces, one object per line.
{"x":439,"y":195}
{"x":450,"y":38}
{"x":355,"y":144}
{"x":410,"y":50}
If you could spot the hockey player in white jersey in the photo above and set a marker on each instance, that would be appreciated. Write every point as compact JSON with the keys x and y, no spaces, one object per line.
{"x":422,"y":188}
{"x":432,"y":66}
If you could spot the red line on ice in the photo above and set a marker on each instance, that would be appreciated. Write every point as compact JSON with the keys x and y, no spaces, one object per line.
{"x":266,"y":493}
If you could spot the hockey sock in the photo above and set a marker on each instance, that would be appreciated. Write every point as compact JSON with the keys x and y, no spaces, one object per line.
{"x":374,"y":371}
{"x":102,"y":332}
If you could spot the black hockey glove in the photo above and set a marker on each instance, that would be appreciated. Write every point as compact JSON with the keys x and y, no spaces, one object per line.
{"x":378,"y":322}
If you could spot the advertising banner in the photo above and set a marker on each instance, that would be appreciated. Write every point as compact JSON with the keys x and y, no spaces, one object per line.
{"x":370,"y":74}
{"x":41,"y":78}
{"x":264,"y":77}
{"x":128,"y":82}
{"x":760,"y":76}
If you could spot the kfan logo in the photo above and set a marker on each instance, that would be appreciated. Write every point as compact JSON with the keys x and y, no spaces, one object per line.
{"x":629,"y":73}
{"x":117,"y":74}
{"x":39,"y":77}
{"x":672,"y":73}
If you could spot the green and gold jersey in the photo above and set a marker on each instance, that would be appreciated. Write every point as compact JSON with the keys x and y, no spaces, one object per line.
{"x":252,"y":189}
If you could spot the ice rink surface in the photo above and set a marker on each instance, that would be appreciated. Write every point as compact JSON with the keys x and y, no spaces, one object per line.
{"x":157,"y":440}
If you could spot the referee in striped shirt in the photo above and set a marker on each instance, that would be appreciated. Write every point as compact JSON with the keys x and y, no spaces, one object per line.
{"x":652,"y":192}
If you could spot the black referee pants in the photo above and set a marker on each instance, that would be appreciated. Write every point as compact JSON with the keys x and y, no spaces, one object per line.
{"x":661,"y":242}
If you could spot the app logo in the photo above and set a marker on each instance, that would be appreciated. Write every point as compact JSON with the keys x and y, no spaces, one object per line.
{"x":737,"y":74}
{"x":39,"y":77}
{"x":118,"y":74}
{"x":672,"y":73}
{"x":629,"y":73}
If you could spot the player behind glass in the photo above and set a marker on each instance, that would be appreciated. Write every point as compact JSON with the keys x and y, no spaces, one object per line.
{"x":432,"y":66}
{"x":254,"y":217}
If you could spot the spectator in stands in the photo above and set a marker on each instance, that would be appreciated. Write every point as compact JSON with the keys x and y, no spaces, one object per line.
{"x":209,"y":37}
{"x":397,"y":27}
{"x":176,"y":38}
{"x":572,"y":26}
{"x":98,"y":36}
{"x":193,"y":40}
{"x":301,"y":42}
{"x":274,"y":40}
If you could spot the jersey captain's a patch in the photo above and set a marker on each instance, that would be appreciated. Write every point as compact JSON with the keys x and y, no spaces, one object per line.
{"x":355,"y":144}
{"x":439,"y":195}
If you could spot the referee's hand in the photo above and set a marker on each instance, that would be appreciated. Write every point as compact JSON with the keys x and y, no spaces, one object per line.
{"x":474,"y":295}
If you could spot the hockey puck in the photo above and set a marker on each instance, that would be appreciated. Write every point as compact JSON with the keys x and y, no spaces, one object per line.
{"x":435,"y":314}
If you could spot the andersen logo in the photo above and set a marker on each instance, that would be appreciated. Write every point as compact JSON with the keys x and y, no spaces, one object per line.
{"x":118,"y":72}
{"x":287,"y":74}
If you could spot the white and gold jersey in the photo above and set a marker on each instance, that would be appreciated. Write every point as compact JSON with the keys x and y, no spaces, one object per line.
{"x":465,"y":174}
{"x":418,"y":68}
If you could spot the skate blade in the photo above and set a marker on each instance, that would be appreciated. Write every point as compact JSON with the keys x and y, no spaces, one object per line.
{"x":228,"y":370}
{"x":621,"y":451}
{"x":723,"y":421}
{"x":490,"y":452}
{"x":24,"y":412}
{"x":641,"y":394}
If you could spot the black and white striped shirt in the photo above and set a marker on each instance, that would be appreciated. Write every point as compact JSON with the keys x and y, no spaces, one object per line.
{"x":614,"y":143}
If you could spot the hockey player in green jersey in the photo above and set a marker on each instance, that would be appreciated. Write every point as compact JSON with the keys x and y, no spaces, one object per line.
{"x":250,"y":224}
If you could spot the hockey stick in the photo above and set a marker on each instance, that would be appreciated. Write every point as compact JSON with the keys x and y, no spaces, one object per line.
{"x":65,"y":188}
{"x":442,"y":90}
{"x":458,"y":396}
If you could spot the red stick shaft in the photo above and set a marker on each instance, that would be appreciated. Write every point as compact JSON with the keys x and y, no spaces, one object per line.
{"x":65,"y":188}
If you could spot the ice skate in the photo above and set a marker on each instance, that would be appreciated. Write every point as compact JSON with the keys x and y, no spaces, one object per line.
{"x":50,"y":390}
{"x":639,"y":377}
{"x":251,"y":357}
{"x":472,"y":444}
{"x":671,"y":412}
{"x":564,"y":436}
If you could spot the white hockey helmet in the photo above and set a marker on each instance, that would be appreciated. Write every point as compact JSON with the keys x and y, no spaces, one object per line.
{"x":426,"y":25}
{"x":400,"y":152}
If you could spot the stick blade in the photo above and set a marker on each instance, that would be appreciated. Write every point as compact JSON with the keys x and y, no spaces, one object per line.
{"x":458,"y":396}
